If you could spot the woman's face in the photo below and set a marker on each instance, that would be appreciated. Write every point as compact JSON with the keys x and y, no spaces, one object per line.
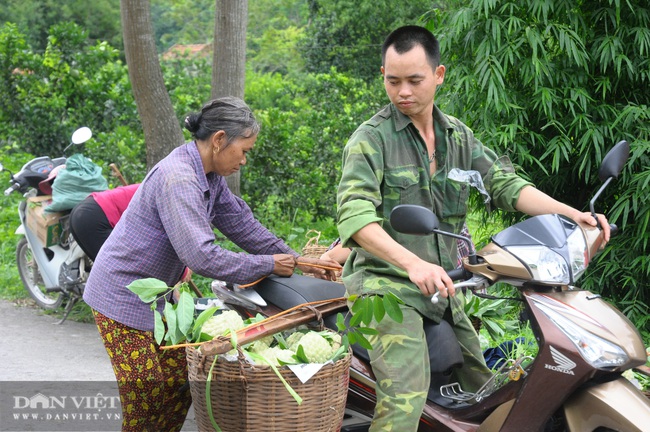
{"x":228,"y":159}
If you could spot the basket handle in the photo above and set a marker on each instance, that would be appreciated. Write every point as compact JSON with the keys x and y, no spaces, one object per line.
{"x":318,"y":315}
{"x":313,"y":240}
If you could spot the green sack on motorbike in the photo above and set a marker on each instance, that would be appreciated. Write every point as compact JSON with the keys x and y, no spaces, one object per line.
{"x":73,"y":184}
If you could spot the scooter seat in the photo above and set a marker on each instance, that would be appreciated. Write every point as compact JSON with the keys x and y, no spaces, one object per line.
{"x":444,"y":351}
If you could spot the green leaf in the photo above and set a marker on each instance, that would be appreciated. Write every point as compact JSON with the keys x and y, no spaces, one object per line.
{"x":340,"y":353}
{"x":203,"y":337}
{"x":300,"y":355}
{"x":357,"y":305}
{"x":172,"y":324}
{"x":392,"y":308}
{"x":200,"y":320}
{"x":380,"y":311}
{"x":367,"y":310}
{"x":208,"y":396}
{"x":261,"y":359}
{"x":340,"y":322}
{"x":282,"y":343}
{"x":367,"y":330}
{"x":185,"y":313}
{"x":148,"y":289}
{"x":360,"y":339}
{"x":158,"y":327}
{"x":233,"y":339}
{"x":356,"y":319}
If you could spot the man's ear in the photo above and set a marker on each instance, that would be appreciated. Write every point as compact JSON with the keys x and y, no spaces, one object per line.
{"x":383,"y":71}
{"x":440,"y":74}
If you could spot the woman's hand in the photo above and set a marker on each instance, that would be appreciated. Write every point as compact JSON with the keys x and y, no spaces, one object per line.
{"x":315,"y":266}
{"x":283,"y":264}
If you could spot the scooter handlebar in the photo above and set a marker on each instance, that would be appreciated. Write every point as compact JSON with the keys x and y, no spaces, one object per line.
{"x":454,"y":275}
{"x":458,"y":274}
{"x":14,"y":187}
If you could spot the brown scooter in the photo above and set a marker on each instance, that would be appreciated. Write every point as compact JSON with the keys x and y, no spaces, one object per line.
{"x":573,"y":384}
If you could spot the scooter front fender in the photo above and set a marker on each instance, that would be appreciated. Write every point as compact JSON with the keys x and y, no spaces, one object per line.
{"x":617,"y":405}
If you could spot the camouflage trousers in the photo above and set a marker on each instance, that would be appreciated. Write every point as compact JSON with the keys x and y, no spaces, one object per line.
{"x":400,"y":362}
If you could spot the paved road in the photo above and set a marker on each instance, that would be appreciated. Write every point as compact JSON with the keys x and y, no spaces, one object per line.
{"x":38,"y":357}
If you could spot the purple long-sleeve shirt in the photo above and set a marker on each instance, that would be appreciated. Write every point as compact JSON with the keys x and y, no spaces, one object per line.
{"x":167,"y":227}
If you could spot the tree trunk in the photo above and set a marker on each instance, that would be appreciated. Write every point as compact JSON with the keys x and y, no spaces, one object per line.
{"x":162,"y":132}
{"x":229,"y":57}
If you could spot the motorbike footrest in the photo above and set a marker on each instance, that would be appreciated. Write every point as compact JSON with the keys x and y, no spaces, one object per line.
{"x":510,"y":370}
{"x":455,"y":392}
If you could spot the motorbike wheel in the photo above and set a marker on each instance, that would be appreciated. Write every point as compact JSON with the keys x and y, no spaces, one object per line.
{"x":32,"y":280}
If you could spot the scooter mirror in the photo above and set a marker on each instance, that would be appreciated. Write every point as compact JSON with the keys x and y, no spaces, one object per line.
{"x":81,"y":135}
{"x":413,"y":219}
{"x":614,"y":161}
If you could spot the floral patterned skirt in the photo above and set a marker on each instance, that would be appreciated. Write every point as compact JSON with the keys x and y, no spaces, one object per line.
{"x":153,"y":386}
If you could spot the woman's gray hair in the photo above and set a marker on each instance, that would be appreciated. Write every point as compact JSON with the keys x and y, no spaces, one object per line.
{"x":229,"y":114}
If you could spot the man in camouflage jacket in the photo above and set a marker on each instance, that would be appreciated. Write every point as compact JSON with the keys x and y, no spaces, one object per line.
{"x":403,"y":155}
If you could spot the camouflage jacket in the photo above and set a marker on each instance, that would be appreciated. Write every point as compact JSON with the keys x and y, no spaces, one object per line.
{"x":385,"y":163}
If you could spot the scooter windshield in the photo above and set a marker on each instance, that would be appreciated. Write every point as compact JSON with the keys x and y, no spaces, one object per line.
{"x":552,"y":247}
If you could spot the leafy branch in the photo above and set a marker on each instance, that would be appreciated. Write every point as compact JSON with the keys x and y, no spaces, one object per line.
{"x":179,"y":323}
{"x":364,"y":309}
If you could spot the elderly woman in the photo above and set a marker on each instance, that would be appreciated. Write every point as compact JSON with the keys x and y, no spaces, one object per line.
{"x":167,"y":227}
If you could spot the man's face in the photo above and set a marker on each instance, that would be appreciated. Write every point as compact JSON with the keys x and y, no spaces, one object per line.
{"x":410,"y":81}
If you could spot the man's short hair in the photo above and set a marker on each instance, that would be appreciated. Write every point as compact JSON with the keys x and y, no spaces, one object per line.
{"x":405,"y":38}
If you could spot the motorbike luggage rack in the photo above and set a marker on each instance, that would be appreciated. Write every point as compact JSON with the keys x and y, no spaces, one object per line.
{"x":510,"y":370}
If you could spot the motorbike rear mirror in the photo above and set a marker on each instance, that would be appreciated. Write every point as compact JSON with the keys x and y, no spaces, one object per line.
{"x":610,"y":168}
{"x":614,"y":161}
{"x":413,"y":219}
{"x":81,"y":135}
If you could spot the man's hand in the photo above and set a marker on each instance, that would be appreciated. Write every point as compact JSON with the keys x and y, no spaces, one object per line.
{"x":431,"y":278}
{"x":283,"y":264}
{"x":588,"y":218}
{"x":314,"y":266}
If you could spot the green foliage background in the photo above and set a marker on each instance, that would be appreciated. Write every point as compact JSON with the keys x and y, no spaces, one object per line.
{"x":554,"y":85}
{"x":551,"y":83}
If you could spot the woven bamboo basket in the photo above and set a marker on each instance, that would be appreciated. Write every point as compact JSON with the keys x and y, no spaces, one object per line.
{"x":312,"y":249}
{"x":247,"y":397}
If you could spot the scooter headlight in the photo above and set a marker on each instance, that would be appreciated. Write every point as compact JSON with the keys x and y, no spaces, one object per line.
{"x":555,"y":266}
{"x":597,"y":351}
{"x":578,"y":253}
{"x":544,"y":264}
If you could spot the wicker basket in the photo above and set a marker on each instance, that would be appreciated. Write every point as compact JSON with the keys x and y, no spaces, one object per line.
{"x":312,"y":249}
{"x":247,"y":397}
